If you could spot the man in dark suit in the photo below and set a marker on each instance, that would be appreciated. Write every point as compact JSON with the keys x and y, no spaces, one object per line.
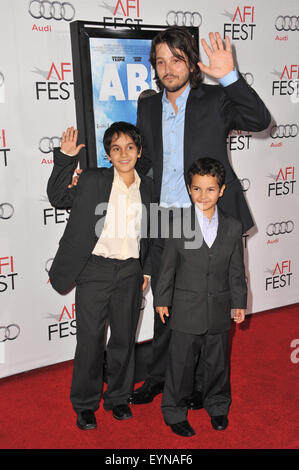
{"x":183,"y":122}
{"x":201,"y":284}
{"x":104,"y":252}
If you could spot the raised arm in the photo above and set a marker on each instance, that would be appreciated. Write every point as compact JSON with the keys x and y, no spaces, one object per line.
{"x":240,"y":105}
{"x":65,"y":162}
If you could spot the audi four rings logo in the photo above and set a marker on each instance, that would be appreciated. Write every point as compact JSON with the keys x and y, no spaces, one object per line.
{"x":1,"y":78}
{"x":248,"y":77}
{"x":287,"y":130}
{"x":9,"y":332}
{"x":287,"y":23}
{"x":47,"y":144}
{"x":184,"y":18}
{"x":6,"y":210}
{"x":51,"y":10}
{"x":245,"y":183}
{"x":280,"y":228}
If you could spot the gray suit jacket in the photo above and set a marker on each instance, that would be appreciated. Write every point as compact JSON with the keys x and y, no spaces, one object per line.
{"x":202,"y":285}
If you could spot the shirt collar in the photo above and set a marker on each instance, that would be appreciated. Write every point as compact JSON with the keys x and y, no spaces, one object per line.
{"x":182,"y":99}
{"x":204,"y":219}
{"x":118,"y":179}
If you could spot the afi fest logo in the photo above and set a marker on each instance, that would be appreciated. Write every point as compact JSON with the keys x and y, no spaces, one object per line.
{"x":242,"y":24}
{"x":65,"y":323}
{"x":280,"y":276}
{"x":288,"y":83}
{"x":3,"y":148}
{"x":56,"y":84}
{"x":284,"y":182}
{"x":52,"y":215}
{"x":122,"y":12}
{"x":238,"y":140}
{"x":7,"y":274}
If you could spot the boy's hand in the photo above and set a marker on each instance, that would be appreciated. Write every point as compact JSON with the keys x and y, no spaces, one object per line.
{"x":75,"y":178}
{"x":239,"y":315}
{"x":162,"y":311}
{"x":69,"y":142}
{"x":145,"y":282}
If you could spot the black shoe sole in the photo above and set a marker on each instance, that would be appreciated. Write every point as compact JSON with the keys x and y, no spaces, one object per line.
{"x":122,"y":418}
{"x":86,"y":427}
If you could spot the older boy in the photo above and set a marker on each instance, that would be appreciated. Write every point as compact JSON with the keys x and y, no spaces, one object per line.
{"x":201,"y":286}
{"x":102,"y":252}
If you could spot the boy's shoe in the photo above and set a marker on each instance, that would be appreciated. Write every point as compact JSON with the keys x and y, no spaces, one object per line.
{"x":122,"y":412}
{"x":219,"y":422}
{"x":146,"y":393}
{"x":182,"y":429}
{"x":86,"y":420}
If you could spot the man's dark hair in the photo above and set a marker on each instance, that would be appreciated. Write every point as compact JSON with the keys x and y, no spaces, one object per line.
{"x":207,"y":166}
{"x":178,"y":39}
{"x":121,"y":127}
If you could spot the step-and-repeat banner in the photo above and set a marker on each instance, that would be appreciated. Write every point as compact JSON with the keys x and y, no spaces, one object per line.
{"x":37,"y":325}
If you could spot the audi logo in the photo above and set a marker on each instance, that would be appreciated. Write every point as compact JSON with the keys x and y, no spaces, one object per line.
{"x":183,"y":18}
{"x":280,"y":228}
{"x":9,"y":332}
{"x":248,"y":77}
{"x":284,"y":131}
{"x":245,"y":183}
{"x":47,"y":144}
{"x":6,"y":210}
{"x":287,"y":23}
{"x":1,"y":78}
{"x":51,"y":10}
{"x":48,"y":264}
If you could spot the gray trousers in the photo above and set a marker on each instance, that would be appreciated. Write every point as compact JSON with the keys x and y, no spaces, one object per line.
{"x":184,"y":353}
{"x":108,"y":291}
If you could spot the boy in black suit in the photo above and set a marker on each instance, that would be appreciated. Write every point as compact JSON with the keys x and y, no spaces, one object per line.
{"x":201,"y":286}
{"x":104,"y":251}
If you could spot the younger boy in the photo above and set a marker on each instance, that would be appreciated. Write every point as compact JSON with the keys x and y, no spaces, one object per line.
{"x":102,"y":252}
{"x":201,"y":286}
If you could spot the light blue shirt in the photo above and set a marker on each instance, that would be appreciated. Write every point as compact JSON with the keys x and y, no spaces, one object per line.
{"x":173,"y":189}
{"x":208,"y":227}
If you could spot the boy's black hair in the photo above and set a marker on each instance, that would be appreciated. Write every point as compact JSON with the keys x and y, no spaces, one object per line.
{"x":207,"y":166}
{"x":121,"y":127}
{"x":177,"y":39}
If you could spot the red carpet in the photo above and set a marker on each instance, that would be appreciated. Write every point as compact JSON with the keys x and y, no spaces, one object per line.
{"x":36,"y":413}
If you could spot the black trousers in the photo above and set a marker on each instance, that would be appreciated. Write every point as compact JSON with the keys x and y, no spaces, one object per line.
{"x":162,"y":332}
{"x":108,"y":290}
{"x":184,"y":353}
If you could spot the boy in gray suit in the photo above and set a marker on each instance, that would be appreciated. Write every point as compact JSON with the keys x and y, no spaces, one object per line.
{"x":201,"y":286}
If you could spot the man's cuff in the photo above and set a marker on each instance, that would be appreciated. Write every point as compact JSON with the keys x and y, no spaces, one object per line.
{"x":66,"y":153}
{"x":230,"y":78}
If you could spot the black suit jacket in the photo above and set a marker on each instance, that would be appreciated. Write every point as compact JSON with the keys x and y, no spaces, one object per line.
{"x":202,"y":285}
{"x":79,"y":238}
{"x":211,"y":112}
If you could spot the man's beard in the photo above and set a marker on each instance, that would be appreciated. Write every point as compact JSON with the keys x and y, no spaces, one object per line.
{"x":177,"y":87}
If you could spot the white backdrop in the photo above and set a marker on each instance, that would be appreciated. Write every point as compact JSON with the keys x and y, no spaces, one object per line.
{"x":37,"y":325}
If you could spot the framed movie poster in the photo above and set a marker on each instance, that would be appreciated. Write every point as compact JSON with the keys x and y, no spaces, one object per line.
{"x":111,"y":68}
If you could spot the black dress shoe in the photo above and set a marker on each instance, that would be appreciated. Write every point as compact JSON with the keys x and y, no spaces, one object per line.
{"x":122,"y":412}
{"x":146,"y":393}
{"x":195,"y":401}
{"x":182,"y":429}
{"x":219,"y":422}
{"x":86,"y":420}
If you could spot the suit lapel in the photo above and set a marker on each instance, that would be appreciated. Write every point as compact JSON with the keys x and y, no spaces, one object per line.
{"x":221,"y":233}
{"x":105,"y":185}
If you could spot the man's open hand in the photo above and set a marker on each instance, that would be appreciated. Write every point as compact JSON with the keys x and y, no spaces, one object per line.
{"x":221,"y":60}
